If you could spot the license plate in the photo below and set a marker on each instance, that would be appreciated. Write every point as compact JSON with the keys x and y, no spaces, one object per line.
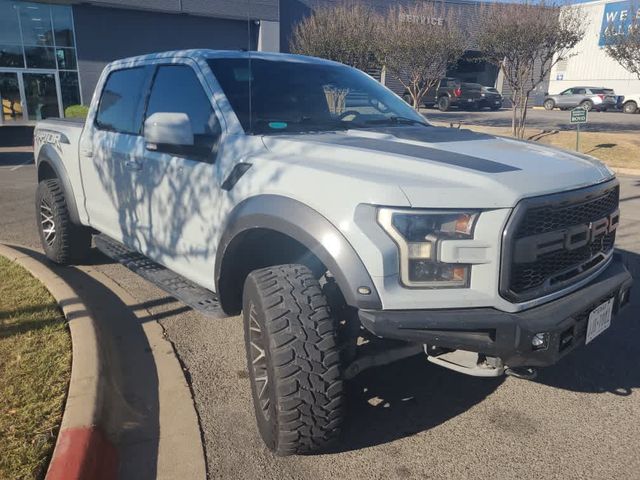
{"x":599,"y":320}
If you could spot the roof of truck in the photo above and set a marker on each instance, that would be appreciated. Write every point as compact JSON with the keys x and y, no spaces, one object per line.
{"x":207,"y":53}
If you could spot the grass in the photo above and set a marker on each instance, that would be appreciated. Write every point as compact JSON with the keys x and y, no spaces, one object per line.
{"x":35,"y":365}
{"x":616,"y":149}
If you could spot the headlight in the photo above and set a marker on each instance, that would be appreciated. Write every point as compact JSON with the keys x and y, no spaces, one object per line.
{"x":418,"y":234}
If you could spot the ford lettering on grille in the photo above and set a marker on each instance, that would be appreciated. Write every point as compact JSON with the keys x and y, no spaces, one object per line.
{"x":529,"y":249}
{"x":555,"y":240}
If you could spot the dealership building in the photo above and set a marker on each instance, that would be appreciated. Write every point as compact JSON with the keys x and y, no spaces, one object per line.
{"x":52,"y":52}
{"x":589,"y":65}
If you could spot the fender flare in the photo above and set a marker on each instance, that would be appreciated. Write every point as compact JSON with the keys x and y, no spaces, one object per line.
{"x":308,"y":227}
{"x":48,"y":155}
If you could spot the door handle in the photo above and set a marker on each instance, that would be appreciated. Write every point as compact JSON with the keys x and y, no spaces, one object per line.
{"x":133,"y":165}
{"x":86,"y":152}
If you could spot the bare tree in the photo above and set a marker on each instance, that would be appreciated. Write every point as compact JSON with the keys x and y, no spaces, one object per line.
{"x":418,"y":44}
{"x":622,"y":41}
{"x":345,"y":33}
{"x":525,"y":41}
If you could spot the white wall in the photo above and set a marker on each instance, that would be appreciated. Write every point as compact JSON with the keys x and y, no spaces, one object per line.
{"x":591,"y":66}
{"x":269,"y":36}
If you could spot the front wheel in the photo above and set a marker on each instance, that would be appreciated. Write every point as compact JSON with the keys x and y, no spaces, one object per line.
{"x":549,"y":104}
{"x":62,"y":240}
{"x":630,"y":107}
{"x":293,"y":360}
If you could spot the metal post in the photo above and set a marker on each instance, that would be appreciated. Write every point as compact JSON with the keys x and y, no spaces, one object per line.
{"x":578,"y":138}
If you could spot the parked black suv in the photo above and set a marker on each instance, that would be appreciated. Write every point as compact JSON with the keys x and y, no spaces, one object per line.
{"x":451,"y":92}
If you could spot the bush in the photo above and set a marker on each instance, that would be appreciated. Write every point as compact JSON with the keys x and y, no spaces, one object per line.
{"x":76,"y":111}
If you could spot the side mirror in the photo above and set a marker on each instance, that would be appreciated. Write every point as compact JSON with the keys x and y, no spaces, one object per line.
{"x":169,"y":132}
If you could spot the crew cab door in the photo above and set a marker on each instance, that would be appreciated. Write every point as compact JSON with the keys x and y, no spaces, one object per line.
{"x":181,"y":198}
{"x":111,"y":151}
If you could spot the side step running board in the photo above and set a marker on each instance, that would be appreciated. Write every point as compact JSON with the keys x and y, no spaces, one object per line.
{"x":196,"y":297}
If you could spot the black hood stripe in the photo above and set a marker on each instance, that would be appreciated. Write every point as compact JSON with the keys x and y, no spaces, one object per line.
{"x":423,"y":152}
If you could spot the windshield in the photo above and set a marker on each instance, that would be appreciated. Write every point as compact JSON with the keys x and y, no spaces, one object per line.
{"x":291,"y":96}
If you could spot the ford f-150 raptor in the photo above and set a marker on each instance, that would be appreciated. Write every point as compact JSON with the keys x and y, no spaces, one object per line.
{"x":315,"y":202}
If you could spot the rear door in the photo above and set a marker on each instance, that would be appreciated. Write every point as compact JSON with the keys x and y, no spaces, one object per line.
{"x":111,"y":151}
{"x":181,"y":194}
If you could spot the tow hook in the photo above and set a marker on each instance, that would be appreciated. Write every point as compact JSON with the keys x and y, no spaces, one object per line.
{"x":524,"y":373}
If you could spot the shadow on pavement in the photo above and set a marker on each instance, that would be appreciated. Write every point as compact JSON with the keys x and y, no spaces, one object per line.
{"x":411,"y":396}
{"x":610,"y":363}
{"x":406,"y":398}
{"x":131,"y":404}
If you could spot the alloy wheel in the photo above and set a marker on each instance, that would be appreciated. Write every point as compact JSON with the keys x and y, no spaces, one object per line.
{"x":47,"y":222}
{"x":257,"y":342}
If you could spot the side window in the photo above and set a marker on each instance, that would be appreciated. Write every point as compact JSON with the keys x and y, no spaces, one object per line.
{"x":120,"y":106}
{"x":566,"y":92}
{"x":176,"y":89}
{"x":580,"y":91}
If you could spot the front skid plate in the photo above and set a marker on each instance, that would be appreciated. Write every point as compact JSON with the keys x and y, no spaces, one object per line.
{"x":198,"y":298}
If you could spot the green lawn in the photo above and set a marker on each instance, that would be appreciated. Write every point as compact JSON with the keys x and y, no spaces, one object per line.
{"x":35,"y":365}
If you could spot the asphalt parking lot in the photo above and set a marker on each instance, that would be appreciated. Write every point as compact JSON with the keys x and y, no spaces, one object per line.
{"x":410,"y":420}
{"x":542,"y":119}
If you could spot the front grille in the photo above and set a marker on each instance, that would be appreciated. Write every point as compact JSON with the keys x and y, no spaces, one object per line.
{"x":544,"y":221}
{"x":549,"y":218}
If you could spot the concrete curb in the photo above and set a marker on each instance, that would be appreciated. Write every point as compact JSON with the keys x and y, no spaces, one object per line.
{"x":82,"y":450}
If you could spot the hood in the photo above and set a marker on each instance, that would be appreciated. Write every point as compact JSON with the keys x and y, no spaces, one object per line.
{"x":443,"y":167}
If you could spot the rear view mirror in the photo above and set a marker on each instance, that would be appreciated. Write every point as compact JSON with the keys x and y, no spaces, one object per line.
{"x":169,"y":132}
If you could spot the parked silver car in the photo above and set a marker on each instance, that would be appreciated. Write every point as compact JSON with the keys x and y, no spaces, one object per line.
{"x":596,"y":98}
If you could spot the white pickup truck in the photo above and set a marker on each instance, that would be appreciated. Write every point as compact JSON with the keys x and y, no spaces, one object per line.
{"x":315,"y":202}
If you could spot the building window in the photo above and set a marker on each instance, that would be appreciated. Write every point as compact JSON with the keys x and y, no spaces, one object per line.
{"x":40,"y":36}
{"x":70,"y":89}
{"x":11,"y":56}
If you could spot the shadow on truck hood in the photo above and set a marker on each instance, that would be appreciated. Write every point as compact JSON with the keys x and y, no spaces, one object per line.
{"x":427,"y":163}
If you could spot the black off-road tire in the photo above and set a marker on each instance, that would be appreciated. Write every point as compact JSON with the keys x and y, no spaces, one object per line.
{"x":291,"y":338}
{"x":68,"y":242}
{"x":444,"y":103}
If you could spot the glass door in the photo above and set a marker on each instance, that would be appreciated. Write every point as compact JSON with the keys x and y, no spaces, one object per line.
{"x":41,"y":95}
{"x":11,"y":99}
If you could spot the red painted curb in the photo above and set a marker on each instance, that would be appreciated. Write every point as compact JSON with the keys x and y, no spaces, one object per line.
{"x":83,"y":453}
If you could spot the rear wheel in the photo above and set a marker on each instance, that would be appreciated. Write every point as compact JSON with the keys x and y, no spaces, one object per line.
{"x":293,"y":359}
{"x":62,"y":240}
{"x":587,"y":105}
{"x":549,"y":104}
{"x":630,"y":107}
{"x":444,"y":103}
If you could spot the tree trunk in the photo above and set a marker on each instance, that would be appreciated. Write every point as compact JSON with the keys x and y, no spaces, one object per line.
{"x":523,"y":117}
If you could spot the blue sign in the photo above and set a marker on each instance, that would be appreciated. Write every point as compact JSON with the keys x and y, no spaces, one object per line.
{"x":617,"y":19}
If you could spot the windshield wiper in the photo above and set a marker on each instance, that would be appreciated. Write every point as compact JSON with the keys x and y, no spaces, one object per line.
{"x":396,"y":121}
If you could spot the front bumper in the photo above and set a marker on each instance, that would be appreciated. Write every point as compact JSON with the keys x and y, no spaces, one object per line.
{"x":505,"y":335}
